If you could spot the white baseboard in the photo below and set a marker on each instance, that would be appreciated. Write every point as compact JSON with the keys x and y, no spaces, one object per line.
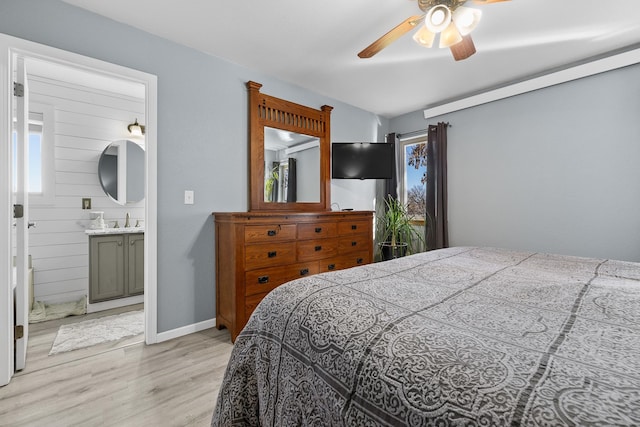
{"x":186,"y":330}
{"x":114,"y":303}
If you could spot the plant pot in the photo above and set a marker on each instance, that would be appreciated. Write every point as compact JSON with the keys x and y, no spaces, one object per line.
{"x":389,"y":251}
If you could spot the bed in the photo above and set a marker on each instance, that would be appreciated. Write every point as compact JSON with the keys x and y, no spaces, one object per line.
{"x":458,"y":336}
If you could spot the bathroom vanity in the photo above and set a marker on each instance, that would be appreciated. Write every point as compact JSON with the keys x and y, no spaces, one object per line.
{"x":116,"y":263}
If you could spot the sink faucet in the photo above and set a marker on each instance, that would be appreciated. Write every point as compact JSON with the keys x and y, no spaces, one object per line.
{"x":126,"y":220}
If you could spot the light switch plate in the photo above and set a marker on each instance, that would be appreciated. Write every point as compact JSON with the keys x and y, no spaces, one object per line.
{"x":188,"y":197}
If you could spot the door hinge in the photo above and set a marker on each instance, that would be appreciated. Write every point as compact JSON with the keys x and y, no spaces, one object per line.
{"x":18,"y":211}
{"x":18,"y":89}
{"x":18,"y":332}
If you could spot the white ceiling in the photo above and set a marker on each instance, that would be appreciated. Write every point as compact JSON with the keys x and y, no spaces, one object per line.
{"x":314,"y":44}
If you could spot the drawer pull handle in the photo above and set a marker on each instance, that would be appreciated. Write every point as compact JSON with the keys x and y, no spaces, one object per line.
{"x":304,"y":271}
{"x":318,"y":229}
{"x":360,"y":260}
{"x":331,"y":266}
{"x":119,"y":243}
{"x":318,"y":248}
{"x":272,"y":254}
{"x":271,"y":233}
{"x":354,"y":243}
{"x":354,"y":227}
{"x":263,"y":279}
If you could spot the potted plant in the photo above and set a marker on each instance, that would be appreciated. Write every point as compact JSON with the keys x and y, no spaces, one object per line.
{"x":271,"y":185}
{"x":397,"y":235}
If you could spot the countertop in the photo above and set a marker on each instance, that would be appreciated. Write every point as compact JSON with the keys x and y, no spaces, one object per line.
{"x":122,"y":230}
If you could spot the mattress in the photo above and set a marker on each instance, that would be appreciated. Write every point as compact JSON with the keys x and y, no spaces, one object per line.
{"x":459,"y":336}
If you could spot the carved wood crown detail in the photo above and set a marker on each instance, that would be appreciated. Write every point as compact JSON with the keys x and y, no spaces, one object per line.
{"x":300,"y":123}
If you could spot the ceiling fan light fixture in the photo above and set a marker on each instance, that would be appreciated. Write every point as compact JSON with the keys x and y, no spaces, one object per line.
{"x":424,"y":37}
{"x":466,"y":19}
{"x":438,"y":18}
{"x":450,"y":36}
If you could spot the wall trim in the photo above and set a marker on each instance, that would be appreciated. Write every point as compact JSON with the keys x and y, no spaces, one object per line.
{"x":186,"y":330}
{"x":595,"y":67}
{"x":114,"y":303}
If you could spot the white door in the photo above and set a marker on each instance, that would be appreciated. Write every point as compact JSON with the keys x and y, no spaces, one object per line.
{"x":21,"y":213}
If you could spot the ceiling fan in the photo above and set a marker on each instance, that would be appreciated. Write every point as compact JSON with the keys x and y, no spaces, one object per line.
{"x":448,"y":18}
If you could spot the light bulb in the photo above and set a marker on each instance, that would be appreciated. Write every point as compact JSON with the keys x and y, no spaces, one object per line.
{"x":466,"y":19}
{"x":450,"y":36}
{"x":424,"y":37}
{"x":438,"y":18}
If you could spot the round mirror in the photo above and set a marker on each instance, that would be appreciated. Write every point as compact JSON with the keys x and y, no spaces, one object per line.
{"x":121,"y":172}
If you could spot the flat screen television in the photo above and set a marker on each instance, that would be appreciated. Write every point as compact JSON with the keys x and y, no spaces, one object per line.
{"x":362,"y":160}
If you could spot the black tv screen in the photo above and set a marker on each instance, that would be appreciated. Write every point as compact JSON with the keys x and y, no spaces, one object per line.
{"x":362,"y":160}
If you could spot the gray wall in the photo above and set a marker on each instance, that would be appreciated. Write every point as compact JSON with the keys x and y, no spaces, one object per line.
{"x":555,"y":170}
{"x":202,"y":138}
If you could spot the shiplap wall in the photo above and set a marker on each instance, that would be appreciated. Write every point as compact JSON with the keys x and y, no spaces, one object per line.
{"x":86,"y":120}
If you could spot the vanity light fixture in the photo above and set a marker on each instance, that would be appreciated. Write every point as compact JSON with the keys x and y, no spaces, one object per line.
{"x":136,"y":129}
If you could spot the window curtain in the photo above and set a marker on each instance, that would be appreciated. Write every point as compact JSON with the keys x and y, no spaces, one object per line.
{"x":391,"y":185}
{"x":384,"y":188}
{"x":436,"y":231}
{"x":292,"y":182}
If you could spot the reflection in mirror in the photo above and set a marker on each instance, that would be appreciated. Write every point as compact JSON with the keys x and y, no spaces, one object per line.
{"x":292,"y":167}
{"x":121,"y":172}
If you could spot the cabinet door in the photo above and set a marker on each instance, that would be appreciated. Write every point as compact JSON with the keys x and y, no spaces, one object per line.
{"x":106,"y":267}
{"x":135,"y":263}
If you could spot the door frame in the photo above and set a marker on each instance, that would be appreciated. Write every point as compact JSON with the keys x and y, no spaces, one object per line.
{"x":9,"y":47}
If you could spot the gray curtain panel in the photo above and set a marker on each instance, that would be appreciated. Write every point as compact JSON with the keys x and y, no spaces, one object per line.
{"x":436,"y":231}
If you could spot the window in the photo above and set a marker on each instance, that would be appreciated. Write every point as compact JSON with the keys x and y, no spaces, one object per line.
{"x":35,"y":157}
{"x":413,"y":173}
{"x":41,"y":161}
{"x":414,"y":177}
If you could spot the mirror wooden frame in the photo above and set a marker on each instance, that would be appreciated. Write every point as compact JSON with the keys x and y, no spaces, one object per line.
{"x":269,"y":111}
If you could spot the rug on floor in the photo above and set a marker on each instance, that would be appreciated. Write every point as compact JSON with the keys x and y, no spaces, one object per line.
{"x":96,"y":331}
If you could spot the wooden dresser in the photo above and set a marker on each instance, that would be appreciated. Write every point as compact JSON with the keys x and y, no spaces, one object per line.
{"x":258,"y":251}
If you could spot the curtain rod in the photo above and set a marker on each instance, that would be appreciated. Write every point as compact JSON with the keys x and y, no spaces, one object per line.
{"x":414,"y":134}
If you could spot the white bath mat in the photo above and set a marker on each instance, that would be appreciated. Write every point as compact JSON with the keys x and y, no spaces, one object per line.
{"x":96,"y":331}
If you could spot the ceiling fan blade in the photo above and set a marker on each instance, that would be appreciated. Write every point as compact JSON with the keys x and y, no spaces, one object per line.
{"x":464,"y":49}
{"x":384,"y":41}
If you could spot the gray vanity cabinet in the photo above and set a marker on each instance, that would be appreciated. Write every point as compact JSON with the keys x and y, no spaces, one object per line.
{"x":135,"y":264}
{"x":116,"y":266}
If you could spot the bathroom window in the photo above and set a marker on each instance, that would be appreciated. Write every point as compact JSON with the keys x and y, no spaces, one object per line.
{"x":41,"y":160}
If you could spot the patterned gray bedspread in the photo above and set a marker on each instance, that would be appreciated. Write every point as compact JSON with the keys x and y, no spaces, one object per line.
{"x":459,"y":336}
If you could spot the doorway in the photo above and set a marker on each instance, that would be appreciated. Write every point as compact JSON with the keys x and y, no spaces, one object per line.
{"x":100,"y":79}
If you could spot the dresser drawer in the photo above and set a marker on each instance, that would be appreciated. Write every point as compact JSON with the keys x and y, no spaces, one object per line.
{"x":355,"y":243}
{"x":269,"y":233}
{"x":269,"y":254}
{"x":317,"y":230}
{"x":267,"y":279}
{"x":258,"y":251}
{"x":345,"y":261}
{"x":346,"y":228}
{"x":310,"y":250}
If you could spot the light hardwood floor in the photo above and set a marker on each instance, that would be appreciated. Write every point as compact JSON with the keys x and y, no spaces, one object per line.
{"x":125,"y":383}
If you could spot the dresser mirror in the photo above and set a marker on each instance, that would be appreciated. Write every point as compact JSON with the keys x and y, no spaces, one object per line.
{"x":289,"y":154}
{"x":121,"y":172}
{"x":292,"y":167}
